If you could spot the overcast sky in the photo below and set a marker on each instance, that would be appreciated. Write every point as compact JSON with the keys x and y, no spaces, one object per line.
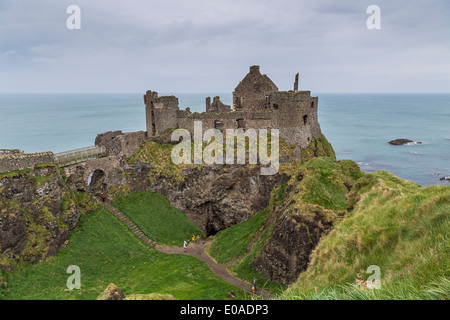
{"x":208,"y":45}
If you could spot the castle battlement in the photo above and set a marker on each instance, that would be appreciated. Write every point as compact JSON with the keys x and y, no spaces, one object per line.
{"x":257,"y":103}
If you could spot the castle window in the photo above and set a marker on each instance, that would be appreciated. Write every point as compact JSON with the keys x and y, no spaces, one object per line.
{"x":241,"y":123}
{"x":218,"y":124}
{"x":275,"y":106}
{"x":312,"y":105}
{"x":305,"y":119}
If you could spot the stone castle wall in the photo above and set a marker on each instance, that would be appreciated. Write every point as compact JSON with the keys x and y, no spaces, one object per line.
{"x":20,"y":161}
{"x":257,"y":104}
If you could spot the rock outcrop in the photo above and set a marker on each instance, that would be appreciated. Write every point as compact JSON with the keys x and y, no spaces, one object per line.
{"x":313,"y":199}
{"x":112,"y":292}
{"x":37,"y":214}
{"x":401,"y":142}
{"x":217,"y":197}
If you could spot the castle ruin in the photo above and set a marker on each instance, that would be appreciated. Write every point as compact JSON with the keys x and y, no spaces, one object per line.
{"x":257,"y":104}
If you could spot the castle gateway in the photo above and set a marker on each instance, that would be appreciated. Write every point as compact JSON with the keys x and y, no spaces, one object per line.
{"x":257,"y":104}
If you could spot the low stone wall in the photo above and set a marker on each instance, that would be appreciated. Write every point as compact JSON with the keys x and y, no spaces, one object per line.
{"x":20,"y":161}
{"x":4,"y":152}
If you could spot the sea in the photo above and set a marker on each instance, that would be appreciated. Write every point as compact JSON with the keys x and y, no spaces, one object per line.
{"x":358,"y":126}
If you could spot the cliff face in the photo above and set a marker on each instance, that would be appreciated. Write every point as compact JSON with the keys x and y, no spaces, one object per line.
{"x":313,"y":200}
{"x":37,"y":212}
{"x":217,"y":197}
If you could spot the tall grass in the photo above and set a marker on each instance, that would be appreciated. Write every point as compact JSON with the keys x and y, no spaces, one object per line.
{"x":396,"y":225}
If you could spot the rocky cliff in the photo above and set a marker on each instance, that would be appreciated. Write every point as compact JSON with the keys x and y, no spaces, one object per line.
{"x":37,"y":212}
{"x":314,"y":198}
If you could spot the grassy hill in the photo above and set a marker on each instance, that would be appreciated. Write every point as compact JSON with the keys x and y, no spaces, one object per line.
{"x":395,"y":224}
{"x":107,"y":252}
{"x":392,"y":223}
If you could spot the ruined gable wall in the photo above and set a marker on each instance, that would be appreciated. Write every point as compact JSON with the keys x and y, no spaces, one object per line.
{"x":118,"y":143}
{"x":251,"y":92}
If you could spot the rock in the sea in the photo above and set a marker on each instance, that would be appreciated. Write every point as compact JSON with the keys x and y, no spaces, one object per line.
{"x":400,"y":142}
{"x":445,"y":178}
{"x":112,"y":292}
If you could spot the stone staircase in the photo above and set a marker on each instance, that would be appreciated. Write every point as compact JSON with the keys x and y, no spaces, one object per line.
{"x":130,"y":224}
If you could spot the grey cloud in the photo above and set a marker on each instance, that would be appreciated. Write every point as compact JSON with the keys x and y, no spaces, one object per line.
{"x":178,"y":45}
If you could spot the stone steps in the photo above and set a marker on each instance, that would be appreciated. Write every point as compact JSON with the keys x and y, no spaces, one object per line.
{"x":130,"y":224}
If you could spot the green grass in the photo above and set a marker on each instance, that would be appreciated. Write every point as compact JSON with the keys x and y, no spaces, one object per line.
{"x":396,"y":225}
{"x":107,"y":252}
{"x":243,"y":268}
{"x":232,"y":242}
{"x":397,"y":290}
{"x":155,"y":214}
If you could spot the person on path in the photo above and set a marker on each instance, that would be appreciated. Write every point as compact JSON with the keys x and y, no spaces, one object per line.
{"x":185,"y":245}
{"x":254,"y":281}
{"x":193,"y":237}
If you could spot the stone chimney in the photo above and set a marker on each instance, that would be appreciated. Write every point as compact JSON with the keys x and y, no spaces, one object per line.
{"x":296,"y":83}
{"x":254,"y":69}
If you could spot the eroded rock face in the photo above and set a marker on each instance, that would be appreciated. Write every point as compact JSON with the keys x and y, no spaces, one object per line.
{"x":217,"y":197}
{"x":312,"y":201}
{"x":293,"y":239}
{"x":32,"y":223}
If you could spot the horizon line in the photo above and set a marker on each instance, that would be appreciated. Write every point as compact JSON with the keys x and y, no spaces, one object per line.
{"x":222,"y":92}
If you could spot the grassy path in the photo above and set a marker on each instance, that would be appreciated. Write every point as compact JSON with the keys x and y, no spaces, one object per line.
{"x":197,"y":250}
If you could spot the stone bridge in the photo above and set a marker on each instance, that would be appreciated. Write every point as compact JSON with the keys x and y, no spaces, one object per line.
{"x":106,"y":169}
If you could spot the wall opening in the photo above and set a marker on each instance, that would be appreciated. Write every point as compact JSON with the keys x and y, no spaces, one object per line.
{"x":275,"y":106}
{"x":312,"y":105}
{"x":97,"y":182}
{"x":152,"y":107}
{"x":218,"y":124}
{"x":305,"y":119}
{"x":237,"y":103}
{"x":241,"y":123}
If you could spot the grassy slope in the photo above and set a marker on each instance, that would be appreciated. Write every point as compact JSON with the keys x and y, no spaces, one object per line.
{"x":232,"y":243}
{"x":321,"y":184}
{"x":396,"y":225}
{"x":106,"y":252}
{"x":155,"y":214}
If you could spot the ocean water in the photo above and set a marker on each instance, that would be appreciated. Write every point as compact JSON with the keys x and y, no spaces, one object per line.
{"x":357,"y":125}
